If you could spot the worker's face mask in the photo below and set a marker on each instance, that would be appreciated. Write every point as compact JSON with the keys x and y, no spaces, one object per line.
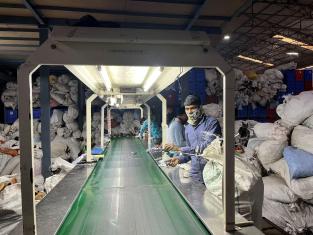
{"x":194,"y":116}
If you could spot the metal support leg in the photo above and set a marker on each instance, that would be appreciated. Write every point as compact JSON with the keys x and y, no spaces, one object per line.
{"x":149,"y":125}
{"x":102,"y":125}
{"x":164,"y":121}
{"x":88,"y":125}
{"x":24,"y":82}
{"x":109,"y":121}
{"x":45,"y":121}
{"x":229,"y":164}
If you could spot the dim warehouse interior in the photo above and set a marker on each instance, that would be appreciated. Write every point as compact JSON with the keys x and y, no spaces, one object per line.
{"x":156,"y":117}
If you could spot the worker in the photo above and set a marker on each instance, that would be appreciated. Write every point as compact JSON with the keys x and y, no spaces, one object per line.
{"x":176,"y":129}
{"x":199,"y":133}
{"x":154,"y":129}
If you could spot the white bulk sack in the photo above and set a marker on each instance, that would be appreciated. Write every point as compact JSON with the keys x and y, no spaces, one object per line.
{"x":302,"y":187}
{"x":309,"y":122}
{"x":72,"y":112}
{"x":271,"y":131}
{"x":246,"y":174}
{"x":63,"y":79}
{"x":11,"y":85}
{"x":74,"y":147}
{"x":57,"y":117}
{"x":59,"y":147}
{"x":296,"y":109}
{"x":10,"y":198}
{"x":270,"y":151}
{"x":73,"y":126}
{"x":302,"y":138}
{"x":4,"y":159}
{"x":276,"y":189}
{"x":11,"y":165}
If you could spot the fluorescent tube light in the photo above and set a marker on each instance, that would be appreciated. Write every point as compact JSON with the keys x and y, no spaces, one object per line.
{"x":153,"y":76}
{"x":88,"y":75}
{"x":226,"y":37}
{"x":106,"y":78}
{"x":254,"y":60}
{"x":292,"y":53}
{"x":293,"y":42}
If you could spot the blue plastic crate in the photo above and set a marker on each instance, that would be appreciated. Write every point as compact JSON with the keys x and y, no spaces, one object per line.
{"x":10,"y":115}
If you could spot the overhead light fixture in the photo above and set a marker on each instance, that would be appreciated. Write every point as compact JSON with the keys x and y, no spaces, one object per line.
{"x":292,"y":53}
{"x":89,"y":75}
{"x":153,"y":76}
{"x":293,"y":42}
{"x":255,"y":60}
{"x":106,"y":78}
{"x":226,"y":37}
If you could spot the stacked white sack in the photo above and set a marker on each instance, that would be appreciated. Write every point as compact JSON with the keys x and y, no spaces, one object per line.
{"x":296,"y":109}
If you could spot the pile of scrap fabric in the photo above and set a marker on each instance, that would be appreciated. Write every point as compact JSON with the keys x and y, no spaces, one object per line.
{"x":258,"y":89}
{"x":250,"y":88}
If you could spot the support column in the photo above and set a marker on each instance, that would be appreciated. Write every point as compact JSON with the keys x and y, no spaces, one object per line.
{"x":81,"y":103}
{"x":109,"y":121}
{"x":149,"y":125}
{"x":141,"y":112}
{"x":102,"y":125}
{"x":24,"y":81}
{"x":88,"y":125}
{"x":45,"y":110}
{"x":45,"y":121}
{"x":164,"y":121}
{"x":229,"y":164}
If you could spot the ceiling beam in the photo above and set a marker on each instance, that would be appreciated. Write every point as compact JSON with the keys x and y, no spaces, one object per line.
{"x":197,"y":14}
{"x":35,"y":13}
{"x":67,"y":22}
{"x":191,"y":2}
{"x":115,"y":12}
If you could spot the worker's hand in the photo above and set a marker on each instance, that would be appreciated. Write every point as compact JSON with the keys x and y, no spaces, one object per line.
{"x":171,"y":147}
{"x":173,"y":162}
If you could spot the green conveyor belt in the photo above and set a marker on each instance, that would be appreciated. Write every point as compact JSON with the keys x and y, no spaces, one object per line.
{"x":128,"y":194}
